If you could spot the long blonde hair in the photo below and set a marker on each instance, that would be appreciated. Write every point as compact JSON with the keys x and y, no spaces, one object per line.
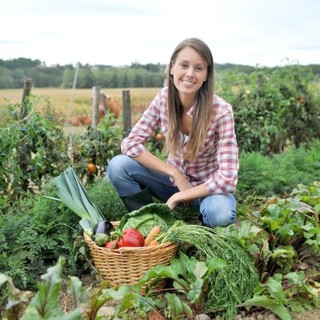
{"x":203,"y":101}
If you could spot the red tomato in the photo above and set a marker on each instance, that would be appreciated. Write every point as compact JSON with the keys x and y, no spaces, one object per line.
{"x":159,"y":137}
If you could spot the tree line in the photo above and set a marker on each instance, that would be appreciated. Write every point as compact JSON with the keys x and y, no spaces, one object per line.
{"x":14,"y":72}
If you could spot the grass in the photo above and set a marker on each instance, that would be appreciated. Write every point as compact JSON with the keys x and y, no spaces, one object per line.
{"x":81,"y":98}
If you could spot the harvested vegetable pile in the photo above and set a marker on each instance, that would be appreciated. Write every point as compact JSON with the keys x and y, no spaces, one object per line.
{"x":228,"y":287}
{"x":147,"y":217}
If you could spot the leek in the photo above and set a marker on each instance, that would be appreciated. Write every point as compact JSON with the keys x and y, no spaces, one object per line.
{"x":72,"y":193}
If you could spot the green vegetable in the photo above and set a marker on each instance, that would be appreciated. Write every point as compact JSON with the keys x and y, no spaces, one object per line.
{"x":147,"y":217}
{"x":101,"y":239}
{"x":72,"y":193}
{"x":232,"y":285}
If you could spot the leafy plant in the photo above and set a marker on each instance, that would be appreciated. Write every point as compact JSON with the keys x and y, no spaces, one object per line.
{"x":34,"y":233}
{"x":278,"y":174}
{"x":97,"y":145}
{"x":265,"y":101}
{"x":191,"y":279}
{"x":230,"y":287}
{"x":45,"y":303}
{"x":32,"y":148}
{"x":107,"y":199}
{"x":282,"y":238}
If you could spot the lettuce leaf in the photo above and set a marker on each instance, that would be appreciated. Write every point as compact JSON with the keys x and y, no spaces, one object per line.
{"x":147,"y":217}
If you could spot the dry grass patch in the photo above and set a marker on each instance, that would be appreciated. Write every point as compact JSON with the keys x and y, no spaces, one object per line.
{"x":81,"y":98}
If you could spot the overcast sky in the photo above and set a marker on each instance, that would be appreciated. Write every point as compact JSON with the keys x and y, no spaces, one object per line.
{"x":119,"y":32}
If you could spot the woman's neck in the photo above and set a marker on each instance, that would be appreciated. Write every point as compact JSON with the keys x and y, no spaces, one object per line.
{"x":186,"y":103}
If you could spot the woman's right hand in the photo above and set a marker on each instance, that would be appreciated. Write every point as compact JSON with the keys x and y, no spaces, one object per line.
{"x":181,"y":181}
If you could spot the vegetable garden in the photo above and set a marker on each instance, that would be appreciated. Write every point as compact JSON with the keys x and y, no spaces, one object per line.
{"x":268,"y":260}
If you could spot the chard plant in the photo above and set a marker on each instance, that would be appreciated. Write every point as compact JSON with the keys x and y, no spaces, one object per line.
{"x":190,"y":279}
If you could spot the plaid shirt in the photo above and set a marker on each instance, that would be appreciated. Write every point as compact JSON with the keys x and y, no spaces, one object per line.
{"x":217,"y":164}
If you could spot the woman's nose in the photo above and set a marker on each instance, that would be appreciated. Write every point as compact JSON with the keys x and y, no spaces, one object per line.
{"x":190,"y":71}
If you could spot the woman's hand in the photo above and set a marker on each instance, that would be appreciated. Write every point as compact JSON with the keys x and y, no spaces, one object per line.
{"x":181,"y":181}
{"x":187,"y":192}
{"x":183,"y":184}
{"x":173,"y":201}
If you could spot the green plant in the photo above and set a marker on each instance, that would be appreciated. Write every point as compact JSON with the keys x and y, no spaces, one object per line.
{"x":265,"y":101}
{"x":107,"y":199}
{"x":278,"y":174}
{"x":34,"y":233}
{"x":32,"y":148}
{"x":97,"y":145}
{"x":234,"y":284}
{"x":191,"y":279}
{"x":86,"y":305}
{"x":282,"y":239}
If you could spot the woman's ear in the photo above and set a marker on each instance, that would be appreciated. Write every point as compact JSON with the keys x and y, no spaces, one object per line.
{"x":171,"y":67}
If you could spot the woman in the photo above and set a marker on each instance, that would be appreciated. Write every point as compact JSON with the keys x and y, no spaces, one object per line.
{"x":202,"y":164}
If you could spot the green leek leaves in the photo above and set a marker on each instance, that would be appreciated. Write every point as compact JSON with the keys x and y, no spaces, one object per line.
{"x":72,"y":193}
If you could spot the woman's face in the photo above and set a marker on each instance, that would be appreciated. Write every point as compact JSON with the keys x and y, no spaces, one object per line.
{"x":189,"y":71}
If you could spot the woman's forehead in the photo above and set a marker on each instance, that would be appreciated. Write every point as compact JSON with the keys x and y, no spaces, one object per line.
{"x":189,"y":54}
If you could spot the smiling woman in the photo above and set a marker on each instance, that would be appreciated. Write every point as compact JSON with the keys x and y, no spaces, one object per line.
{"x":199,"y":137}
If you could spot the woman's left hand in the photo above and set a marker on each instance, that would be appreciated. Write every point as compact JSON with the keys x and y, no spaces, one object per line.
{"x":172,"y":202}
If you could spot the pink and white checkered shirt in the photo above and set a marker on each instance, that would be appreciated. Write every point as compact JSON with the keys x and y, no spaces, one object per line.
{"x":217,"y":164}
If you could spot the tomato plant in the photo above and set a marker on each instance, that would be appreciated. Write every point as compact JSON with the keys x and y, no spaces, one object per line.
{"x":97,"y":145}
{"x":266,"y":101}
{"x":32,"y":148}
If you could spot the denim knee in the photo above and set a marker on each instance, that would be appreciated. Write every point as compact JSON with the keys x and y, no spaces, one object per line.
{"x":115,"y":166}
{"x":218,"y":210}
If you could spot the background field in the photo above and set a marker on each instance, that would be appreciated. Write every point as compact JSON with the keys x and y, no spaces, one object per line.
{"x":81,"y":98}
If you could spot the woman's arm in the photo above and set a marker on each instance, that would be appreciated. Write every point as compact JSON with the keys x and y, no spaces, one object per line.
{"x":187,"y":195}
{"x":150,"y":161}
{"x":187,"y":191}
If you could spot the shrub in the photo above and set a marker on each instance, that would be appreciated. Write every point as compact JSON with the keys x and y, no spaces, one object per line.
{"x":273,"y":108}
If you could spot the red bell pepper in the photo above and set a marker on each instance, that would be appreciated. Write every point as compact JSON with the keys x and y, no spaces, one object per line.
{"x":131,"y":238}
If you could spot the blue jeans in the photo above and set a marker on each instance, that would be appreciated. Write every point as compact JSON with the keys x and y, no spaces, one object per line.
{"x":130,"y":177}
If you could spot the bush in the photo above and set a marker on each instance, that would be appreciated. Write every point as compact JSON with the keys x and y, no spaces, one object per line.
{"x":278,"y":174}
{"x":273,"y":108}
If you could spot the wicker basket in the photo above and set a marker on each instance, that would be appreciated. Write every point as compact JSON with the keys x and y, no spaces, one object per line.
{"x":127,"y":265}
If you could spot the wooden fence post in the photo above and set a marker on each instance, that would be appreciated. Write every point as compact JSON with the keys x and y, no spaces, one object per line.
{"x":26,"y":92}
{"x":126,"y":111}
{"x":23,"y":150}
{"x":95,"y":106}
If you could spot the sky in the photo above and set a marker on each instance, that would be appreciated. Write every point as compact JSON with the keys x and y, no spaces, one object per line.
{"x":122,"y":32}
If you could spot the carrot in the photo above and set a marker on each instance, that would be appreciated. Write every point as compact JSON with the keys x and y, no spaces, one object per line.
{"x":153,"y":242}
{"x":153,"y":232}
